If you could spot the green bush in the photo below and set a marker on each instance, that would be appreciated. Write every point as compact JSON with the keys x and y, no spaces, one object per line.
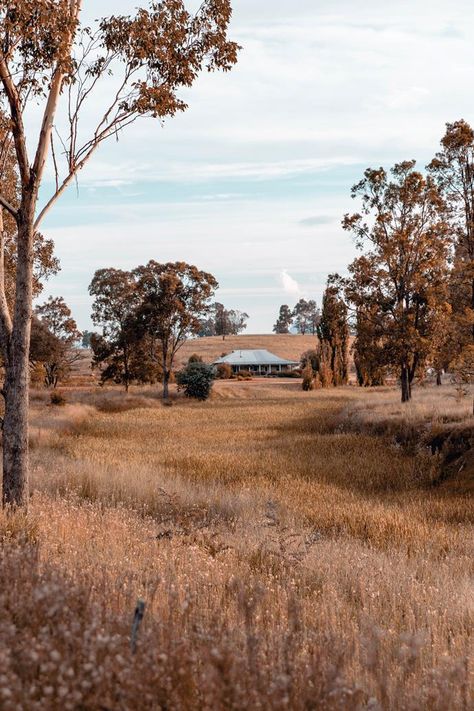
{"x":196,"y":380}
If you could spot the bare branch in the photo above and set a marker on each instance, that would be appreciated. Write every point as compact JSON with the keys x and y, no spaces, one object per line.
{"x":8,"y":207}
{"x":18,"y":129}
{"x":55,"y":164}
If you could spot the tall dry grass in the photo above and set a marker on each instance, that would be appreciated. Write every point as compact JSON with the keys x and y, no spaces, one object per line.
{"x":288,"y":558}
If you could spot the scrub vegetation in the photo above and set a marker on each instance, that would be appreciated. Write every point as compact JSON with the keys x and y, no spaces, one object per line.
{"x":294,"y":550}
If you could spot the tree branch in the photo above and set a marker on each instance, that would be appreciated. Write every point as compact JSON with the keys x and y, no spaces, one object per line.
{"x":18,"y":129}
{"x":9,"y":208}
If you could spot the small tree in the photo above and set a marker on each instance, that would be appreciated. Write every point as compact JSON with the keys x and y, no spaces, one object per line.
{"x":306,"y":316}
{"x":301,"y":317}
{"x":86,"y":339}
{"x":116,"y":300}
{"x":284,"y":320}
{"x":238,"y":321}
{"x":44,"y":348}
{"x":207,"y":326}
{"x":314,"y":316}
{"x":196,"y":380}
{"x":56,"y":315}
{"x":228,"y":322}
{"x":175,"y":296}
{"x":333,"y":333}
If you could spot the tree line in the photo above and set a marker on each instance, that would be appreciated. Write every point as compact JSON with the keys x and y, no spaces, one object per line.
{"x":303,"y":318}
{"x":409,"y":296}
{"x":411,"y":290}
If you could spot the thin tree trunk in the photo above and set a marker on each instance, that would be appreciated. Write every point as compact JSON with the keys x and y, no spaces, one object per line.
{"x":472,"y":304}
{"x":15,"y":436}
{"x":166,"y":380}
{"x":439,"y":380}
{"x":17,"y":374}
{"x":405,"y":384}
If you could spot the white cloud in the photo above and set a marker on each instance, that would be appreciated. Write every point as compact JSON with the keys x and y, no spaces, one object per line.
{"x":290,"y":285}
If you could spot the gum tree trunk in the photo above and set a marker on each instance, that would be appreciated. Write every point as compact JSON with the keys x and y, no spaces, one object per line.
{"x":166,"y":382}
{"x":17,"y":348}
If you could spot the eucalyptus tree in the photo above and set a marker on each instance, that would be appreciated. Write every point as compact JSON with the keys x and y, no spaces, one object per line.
{"x":175,"y":297}
{"x":400,"y":279}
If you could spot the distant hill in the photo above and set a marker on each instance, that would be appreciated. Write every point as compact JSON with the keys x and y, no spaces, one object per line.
{"x":286,"y":345}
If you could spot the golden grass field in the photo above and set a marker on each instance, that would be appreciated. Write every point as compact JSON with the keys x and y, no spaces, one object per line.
{"x":285,"y":345}
{"x":292,"y":550}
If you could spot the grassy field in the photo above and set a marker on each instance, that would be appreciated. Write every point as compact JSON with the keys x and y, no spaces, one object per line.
{"x":289,"y":346}
{"x":294,"y":551}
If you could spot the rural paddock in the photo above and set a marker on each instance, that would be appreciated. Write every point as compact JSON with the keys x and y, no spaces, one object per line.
{"x":294,"y":550}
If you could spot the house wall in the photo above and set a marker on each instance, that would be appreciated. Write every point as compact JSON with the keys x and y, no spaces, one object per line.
{"x":263,"y":369}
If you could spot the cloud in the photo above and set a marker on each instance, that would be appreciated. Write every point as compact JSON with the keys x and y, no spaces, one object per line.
{"x":316,"y":220}
{"x":290,"y":285}
{"x":126,"y":173}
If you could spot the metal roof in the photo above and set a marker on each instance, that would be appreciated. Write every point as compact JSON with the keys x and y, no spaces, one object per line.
{"x":258,"y":357}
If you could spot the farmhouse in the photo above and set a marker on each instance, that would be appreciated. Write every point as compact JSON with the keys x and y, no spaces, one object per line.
{"x":259,"y":361}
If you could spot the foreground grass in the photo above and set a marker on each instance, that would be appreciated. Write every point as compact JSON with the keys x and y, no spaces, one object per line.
{"x":288,"y":557}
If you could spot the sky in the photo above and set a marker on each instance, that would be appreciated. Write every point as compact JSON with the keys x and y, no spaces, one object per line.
{"x":252,"y":181}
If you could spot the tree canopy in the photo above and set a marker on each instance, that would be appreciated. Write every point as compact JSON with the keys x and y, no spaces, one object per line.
{"x":400,"y":279}
{"x":146,"y":315}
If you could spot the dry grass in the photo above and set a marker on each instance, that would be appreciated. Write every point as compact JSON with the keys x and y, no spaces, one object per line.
{"x":285,"y":345}
{"x":288,"y":556}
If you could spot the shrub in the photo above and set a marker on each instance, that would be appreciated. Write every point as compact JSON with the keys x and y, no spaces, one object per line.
{"x":244,"y":375}
{"x":287,"y":374}
{"x":57,"y":398}
{"x":195,"y":358}
{"x":224,"y":371}
{"x":308,"y":378}
{"x":196,"y":380}
{"x":311,"y":358}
